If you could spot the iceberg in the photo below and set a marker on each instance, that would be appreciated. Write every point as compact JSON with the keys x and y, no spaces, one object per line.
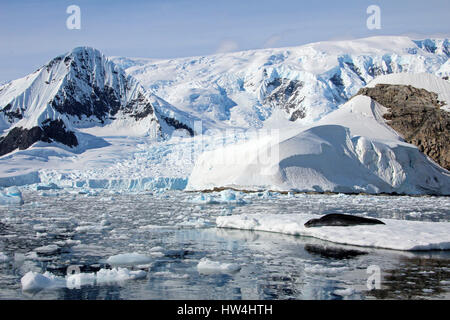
{"x":11,"y":196}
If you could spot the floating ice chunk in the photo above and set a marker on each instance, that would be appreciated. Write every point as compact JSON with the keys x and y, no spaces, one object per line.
{"x":225,"y":197}
{"x":119,"y":275}
{"x":230,"y":196}
{"x":89,"y":228}
{"x":50,"y":186}
{"x":207,"y":266}
{"x":344,"y":292}
{"x":267,"y":195}
{"x":195,"y":223}
{"x":156,"y":249}
{"x":3,"y":258}
{"x":33,"y":281}
{"x":322,"y":270}
{"x":169,"y":275}
{"x":11,"y":196}
{"x":128,"y":259}
{"x":51,"y":248}
{"x":49,"y":194}
{"x":204,"y":199}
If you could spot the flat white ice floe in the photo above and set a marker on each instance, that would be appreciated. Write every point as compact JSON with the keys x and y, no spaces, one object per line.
{"x":51,"y":248}
{"x":133,"y":258}
{"x":207,"y":266}
{"x":344,"y":292}
{"x":395,"y":234}
{"x":34,"y":281}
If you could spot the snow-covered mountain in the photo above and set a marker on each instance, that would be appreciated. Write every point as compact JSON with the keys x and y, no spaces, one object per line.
{"x":324,"y":140}
{"x":351,"y":150}
{"x":243,"y":89}
{"x":76,"y":96}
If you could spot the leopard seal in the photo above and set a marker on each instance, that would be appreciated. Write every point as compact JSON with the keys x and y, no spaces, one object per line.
{"x":341,"y":220}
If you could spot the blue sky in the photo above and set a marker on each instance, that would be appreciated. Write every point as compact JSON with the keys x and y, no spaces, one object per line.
{"x":34,"y":31}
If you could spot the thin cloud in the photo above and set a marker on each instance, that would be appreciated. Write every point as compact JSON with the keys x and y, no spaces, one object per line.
{"x":227,"y":46}
{"x":272,"y":41}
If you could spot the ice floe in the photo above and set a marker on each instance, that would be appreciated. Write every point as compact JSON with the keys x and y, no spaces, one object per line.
{"x":207,"y":266}
{"x":34,"y":281}
{"x":133,"y":258}
{"x":395,"y":234}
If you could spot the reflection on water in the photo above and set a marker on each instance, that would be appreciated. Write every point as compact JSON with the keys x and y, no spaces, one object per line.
{"x":416,"y":278}
{"x":87,"y":230}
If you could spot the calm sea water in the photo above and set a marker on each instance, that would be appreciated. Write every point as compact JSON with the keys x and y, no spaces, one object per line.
{"x":177,"y":231}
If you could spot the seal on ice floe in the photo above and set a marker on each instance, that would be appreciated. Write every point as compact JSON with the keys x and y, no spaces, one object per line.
{"x":341,"y":220}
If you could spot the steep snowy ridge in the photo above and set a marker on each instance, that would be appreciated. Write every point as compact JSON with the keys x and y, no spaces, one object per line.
{"x":81,"y":91}
{"x":242,"y":89}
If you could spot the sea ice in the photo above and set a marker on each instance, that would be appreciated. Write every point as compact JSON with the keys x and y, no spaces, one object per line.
{"x":11,"y":196}
{"x":207,"y":266}
{"x":395,"y":234}
{"x":344,"y":292}
{"x":34,"y":281}
{"x":128,"y":259}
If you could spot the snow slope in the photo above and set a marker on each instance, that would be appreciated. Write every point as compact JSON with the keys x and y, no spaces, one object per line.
{"x":349,"y":150}
{"x":243,"y":89}
{"x":395,"y":234}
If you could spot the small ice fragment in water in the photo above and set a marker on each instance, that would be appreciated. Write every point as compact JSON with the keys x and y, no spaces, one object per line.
{"x":207,"y":266}
{"x":344,"y":292}
{"x":128,"y":259}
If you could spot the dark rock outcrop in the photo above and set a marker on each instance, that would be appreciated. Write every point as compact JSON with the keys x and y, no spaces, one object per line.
{"x":416,"y":114}
{"x":20,"y":138}
{"x":177,"y":125}
{"x":285,"y":94}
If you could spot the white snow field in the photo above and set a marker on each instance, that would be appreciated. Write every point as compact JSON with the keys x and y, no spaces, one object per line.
{"x":349,"y":150}
{"x":395,"y":234}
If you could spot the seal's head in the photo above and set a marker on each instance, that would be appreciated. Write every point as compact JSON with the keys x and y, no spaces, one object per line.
{"x":311,"y":223}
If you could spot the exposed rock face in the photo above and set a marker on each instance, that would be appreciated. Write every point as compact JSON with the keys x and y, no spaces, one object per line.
{"x":285,"y":94}
{"x":417,"y":116}
{"x":20,"y":138}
